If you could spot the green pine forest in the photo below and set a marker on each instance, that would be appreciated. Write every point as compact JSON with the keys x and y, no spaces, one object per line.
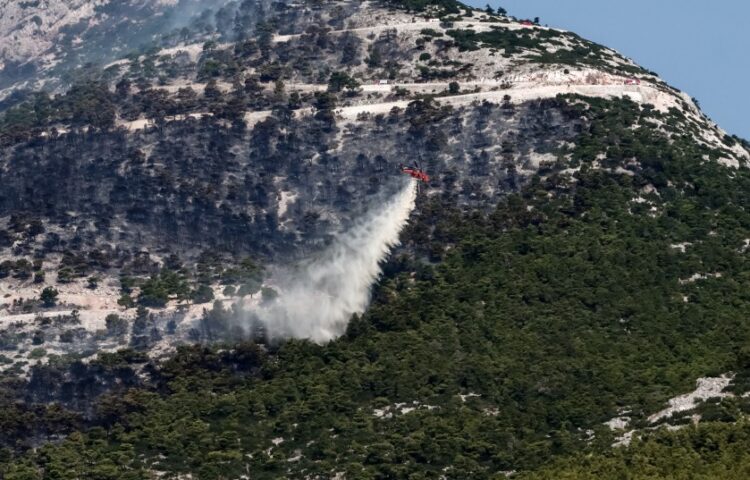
{"x":512,"y":334}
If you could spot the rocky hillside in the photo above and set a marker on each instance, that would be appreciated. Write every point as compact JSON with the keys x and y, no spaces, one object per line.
{"x":576,"y":259}
{"x":50,"y":44}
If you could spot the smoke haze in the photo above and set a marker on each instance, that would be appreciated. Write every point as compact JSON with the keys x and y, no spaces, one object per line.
{"x":317,"y":301}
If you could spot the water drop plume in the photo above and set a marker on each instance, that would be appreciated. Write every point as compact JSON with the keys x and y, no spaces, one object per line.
{"x":317,"y":300}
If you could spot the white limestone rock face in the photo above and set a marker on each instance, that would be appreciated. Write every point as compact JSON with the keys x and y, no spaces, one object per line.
{"x":30,"y":28}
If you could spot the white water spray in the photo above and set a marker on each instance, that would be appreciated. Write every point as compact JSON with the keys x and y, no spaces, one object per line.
{"x":317,"y":302}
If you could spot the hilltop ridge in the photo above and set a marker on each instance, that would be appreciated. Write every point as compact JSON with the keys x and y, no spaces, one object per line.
{"x":342,"y":76}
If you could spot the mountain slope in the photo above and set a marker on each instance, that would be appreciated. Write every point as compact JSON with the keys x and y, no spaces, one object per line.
{"x":577,"y":259}
{"x":473,"y":366}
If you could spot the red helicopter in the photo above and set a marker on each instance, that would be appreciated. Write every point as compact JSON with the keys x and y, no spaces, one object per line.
{"x":415,"y":172}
